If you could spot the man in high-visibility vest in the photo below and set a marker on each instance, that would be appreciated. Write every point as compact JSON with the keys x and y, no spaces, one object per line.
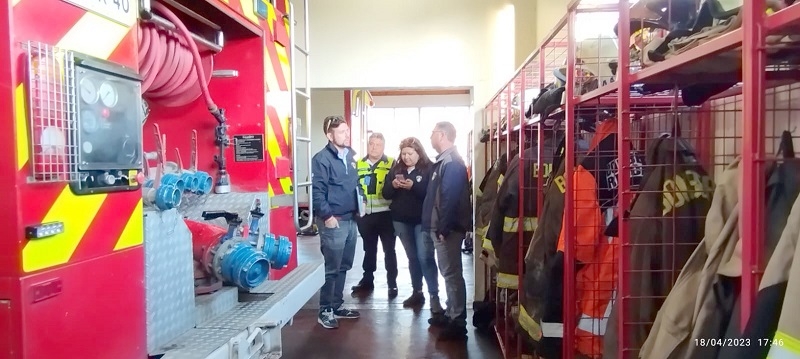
{"x":377,"y":221}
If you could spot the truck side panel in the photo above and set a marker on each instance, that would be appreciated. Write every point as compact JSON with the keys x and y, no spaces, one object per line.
{"x":80,"y":292}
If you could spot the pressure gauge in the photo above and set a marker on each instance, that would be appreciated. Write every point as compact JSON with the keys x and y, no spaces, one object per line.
{"x":89,"y":121}
{"x":88,"y":91}
{"x":108,"y":94}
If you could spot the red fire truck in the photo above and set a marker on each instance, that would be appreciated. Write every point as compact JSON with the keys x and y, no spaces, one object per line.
{"x":147,"y":156}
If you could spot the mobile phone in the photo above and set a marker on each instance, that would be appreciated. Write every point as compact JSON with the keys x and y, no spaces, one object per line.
{"x":399,"y":177}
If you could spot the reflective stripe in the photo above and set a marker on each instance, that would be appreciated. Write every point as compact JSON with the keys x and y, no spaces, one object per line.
{"x":508,"y":281}
{"x":536,"y":331}
{"x":553,"y":330}
{"x":784,"y":346}
{"x":481,"y":231}
{"x":597,"y":326}
{"x":511,"y":224}
{"x":487,"y":245}
{"x":374,"y":206}
{"x":529,"y":325}
{"x":500,"y":180}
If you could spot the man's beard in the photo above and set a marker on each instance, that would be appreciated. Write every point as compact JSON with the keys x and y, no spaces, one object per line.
{"x":341,"y":144}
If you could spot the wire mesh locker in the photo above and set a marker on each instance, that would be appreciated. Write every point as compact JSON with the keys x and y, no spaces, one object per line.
{"x":677,"y":156}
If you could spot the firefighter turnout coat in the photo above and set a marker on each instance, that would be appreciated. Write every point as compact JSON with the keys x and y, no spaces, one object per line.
{"x":595,"y":193}
{"x":503,"y":230}
{"x":539,"y":314}
{"x":666,"y":223}
{"x":485,"y":202}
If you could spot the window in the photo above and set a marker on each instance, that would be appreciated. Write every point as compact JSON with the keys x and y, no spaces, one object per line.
{"x":401,"y":122}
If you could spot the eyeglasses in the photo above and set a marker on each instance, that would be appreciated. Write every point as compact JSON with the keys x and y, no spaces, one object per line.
{"x":331,"y":121}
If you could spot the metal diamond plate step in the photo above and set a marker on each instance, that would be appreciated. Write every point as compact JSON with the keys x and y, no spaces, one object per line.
{"x":289,"y":294}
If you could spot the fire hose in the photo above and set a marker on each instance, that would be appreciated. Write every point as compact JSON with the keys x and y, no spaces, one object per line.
{"x":175,"y":74}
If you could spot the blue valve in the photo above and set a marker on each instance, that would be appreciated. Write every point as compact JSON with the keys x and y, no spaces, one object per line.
{"x":191,"y":181}
{"x":205,"y":182}
{"x":277,"y":250}
{"x":174,"y":180}
{"x":244,"y":266}
{"x":167,"y":197}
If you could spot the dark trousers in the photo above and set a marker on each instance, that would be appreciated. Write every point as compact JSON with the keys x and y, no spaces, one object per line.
{"x":373,"y":227}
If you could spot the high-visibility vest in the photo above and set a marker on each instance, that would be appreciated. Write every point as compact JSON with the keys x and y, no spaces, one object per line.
{"x":372,"y":177}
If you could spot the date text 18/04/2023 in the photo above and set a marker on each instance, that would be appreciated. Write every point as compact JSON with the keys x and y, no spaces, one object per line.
{"x":737,"y":342}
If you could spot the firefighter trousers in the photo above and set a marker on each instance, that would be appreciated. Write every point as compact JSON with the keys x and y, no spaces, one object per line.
{"x":373,"y":227}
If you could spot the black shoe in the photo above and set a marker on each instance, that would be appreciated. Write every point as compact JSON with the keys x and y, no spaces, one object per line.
{"x":415,"y":300}
{"x":363,"y":286}
{"x":439,"y":320}
{"x":453,"y":332}
{"x":392,"y":292}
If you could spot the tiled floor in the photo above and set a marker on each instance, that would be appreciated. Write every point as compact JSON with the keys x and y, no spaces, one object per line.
{"x":385,"y":330}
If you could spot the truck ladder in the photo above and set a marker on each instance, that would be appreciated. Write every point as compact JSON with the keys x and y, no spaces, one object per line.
{"x":301,"y":128}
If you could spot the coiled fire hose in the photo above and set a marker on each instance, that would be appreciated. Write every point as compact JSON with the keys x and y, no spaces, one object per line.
{"x":171,"y":65}
{"x":172,"y":69}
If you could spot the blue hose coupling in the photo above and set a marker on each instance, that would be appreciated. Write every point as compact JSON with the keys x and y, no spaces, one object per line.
{"x":205,"y":182}
{"x":167,"y":197}
{"x":174,"y":180}
{"x":277,"y":250}
{"x":244,"y":266}
{"x":191,"y":181}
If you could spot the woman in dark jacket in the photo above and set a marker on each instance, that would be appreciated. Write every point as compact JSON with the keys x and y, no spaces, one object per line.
{"x":407,"y":183}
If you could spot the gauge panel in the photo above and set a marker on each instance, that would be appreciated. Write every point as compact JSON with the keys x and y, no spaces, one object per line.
{"x":109,"y":121}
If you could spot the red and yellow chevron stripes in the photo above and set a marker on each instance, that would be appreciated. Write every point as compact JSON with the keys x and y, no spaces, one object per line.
{"x":94,"y":225}
{"x":277,"y":76}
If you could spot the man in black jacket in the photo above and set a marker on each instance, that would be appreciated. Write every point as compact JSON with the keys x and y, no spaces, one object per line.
{"x":445,"y":213}
{"x":338,"y":200}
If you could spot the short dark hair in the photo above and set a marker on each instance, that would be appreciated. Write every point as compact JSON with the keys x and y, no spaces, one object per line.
{"x":331,"y":123}
{"x":448,"y":129}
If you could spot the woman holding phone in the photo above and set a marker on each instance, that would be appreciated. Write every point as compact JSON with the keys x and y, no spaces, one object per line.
{"x":409,"y":182}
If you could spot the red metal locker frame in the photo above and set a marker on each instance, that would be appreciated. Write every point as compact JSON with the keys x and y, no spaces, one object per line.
{"x":753,"y":184}
{"x":623,"y":124}
{"x":751,"y":37}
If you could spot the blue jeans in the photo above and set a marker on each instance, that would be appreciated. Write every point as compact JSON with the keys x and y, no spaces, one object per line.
{"x":421,"y":257}
{"x":338,"y":247}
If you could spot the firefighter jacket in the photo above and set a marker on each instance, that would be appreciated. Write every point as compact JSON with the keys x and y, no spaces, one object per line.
{"x":485,"y":202}
{"x":667,"y":221}
{"x":783,"y":187}
{"x":594,"y":188}
{"x":539,"y":315}
{"x":785,"y":267}
{"x":503,"y":230}
{"x":372,"y":177}
{"x":692,"y":310}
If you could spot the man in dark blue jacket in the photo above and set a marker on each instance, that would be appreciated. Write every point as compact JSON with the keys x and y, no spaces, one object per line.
{"x":443,"y":223}
{"x":337,"y":198}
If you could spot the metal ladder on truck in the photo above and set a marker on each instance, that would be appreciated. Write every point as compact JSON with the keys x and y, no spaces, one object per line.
{"x":301,"y":128}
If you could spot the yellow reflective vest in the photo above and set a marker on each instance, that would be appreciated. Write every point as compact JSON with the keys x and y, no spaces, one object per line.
{"x":371,"y":177}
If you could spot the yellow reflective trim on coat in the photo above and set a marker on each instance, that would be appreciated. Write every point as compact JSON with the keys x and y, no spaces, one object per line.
{"x":784,"y":346}
{"x":531,"y":327}
{"x":508,"y":281}
{"x":500,"y":180}
{"x":511,"y":224}
{"x":487,"y":245}
{"x":481,"y":231}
